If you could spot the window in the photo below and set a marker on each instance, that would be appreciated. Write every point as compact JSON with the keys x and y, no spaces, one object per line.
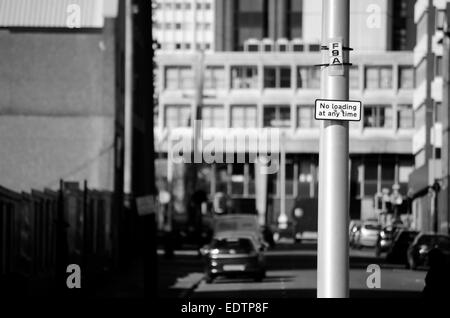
{"x":305,"y":117}
{"x":244,"y":77}
{"x":177,"y":6}
{"x":308,"y":77}
{"x":420,"y":117}
{"x":212,"y":116}
{"x":419,"y":159}
{"x":438,"y":66}
{"x":177,"y":46}
{"x":207,"y":46}
{"x":403,"y":173}
{"x":253,"y":47}
{"x":282,"y":48}
{"x":177,"y":116}
{"x":405,"y":116}
{"x":199,"y":6}
{"x":406,"y":77}
{"x":421,"y":72}
{"x":207,"y":26}
{"x":243,"y":116}
{"x":168,"y":26}
{"x":178,"y":26}
{"x":187,"y":6}
{"x":277,"y":116}
{"x":314,"y":47}
{"x":187,"y":46}
{"x":179,"y":77}
{"x":353,"y":77}
{"x":378,"y":77}
{"x":214,"y":77}
{"x":379,"y":116}
{"x":440,"y":18}
{"x":438,"y":115}
{"x":268,"y":47}
{"x":277,"y":77}
{"x":298,"y":47}
{"x":422,"y":26}
{"x":168,"y":6}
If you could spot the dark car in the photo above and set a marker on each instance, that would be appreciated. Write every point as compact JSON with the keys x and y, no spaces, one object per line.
{"x":385,"y":238}
{"x":233,"y":255}
{"x":397,"y":253}
{"x":418,"y":250}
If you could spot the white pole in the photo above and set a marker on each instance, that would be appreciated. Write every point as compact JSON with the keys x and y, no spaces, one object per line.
{"x":282,"y":219}
{"x":332,"y":256}
{"x":128,"y":98}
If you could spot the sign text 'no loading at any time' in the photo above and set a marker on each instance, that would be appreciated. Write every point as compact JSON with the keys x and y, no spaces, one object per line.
{"x":337,"y":110}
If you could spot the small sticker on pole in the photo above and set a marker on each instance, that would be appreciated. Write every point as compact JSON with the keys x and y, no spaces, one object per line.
{"x":337,"y":110}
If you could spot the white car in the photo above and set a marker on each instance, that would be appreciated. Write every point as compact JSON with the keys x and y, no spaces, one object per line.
{"x":368,"y":234}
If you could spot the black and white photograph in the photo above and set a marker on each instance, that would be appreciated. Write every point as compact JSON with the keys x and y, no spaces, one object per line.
{"x":225,"y":156}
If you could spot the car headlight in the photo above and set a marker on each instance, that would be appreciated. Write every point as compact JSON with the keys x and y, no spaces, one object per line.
{"x":214,"y":251}
{"x":423,"y":249}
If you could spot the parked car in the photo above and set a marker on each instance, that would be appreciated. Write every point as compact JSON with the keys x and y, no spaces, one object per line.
{"x":354,"y":228}
{"x":423,"y":243}
{"x":367,"y":235}
{"x":385,"y":238}
{"x":397,"y":252}
{"x":234,"y":254}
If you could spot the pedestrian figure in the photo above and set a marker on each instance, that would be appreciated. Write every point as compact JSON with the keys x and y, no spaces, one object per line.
{"x":437,"y":280}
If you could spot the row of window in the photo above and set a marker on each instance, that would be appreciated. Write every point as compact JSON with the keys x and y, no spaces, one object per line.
{"x":368,"y":175}
{"x":183,"y":5}
{"x":185,"y":46}
{"x":247,"y":77}
{"x":245,"y":116}
{"x":206,"y":26}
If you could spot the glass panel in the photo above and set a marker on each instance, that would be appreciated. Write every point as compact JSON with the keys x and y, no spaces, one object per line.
{"x":386,"y":77}
{"x":177,"y":116}
{"x":171,"y":78}
{"x":405,"y":116}
{"x":285,"y":77}
{"x":214,"y":77}
{"x":371,"y":77}
{"x":270,"y":77}
{"x":419,"y":117}
{"x":421,"y":72}
{"x":186,"y":78}
{"x":243,"y":116}
{"x":406,"y":77}
{"x":270,"y":116}
{"x":212,"y":116}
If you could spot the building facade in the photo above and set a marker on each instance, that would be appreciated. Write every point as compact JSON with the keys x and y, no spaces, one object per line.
{"x":185,"y":25}
{"x":59,"y":107}
{"x":262,"y":76}
{"x":429,"y":204}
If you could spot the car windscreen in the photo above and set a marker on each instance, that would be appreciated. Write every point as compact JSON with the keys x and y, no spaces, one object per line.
{"x":432,"y":240}
{"x":239,"y":245}
{"x":373,"y":227}
{"x":406,"y":236}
